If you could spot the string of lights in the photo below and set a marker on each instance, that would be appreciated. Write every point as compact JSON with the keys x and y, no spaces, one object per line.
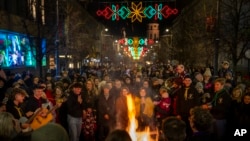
{"x":137,"y":11}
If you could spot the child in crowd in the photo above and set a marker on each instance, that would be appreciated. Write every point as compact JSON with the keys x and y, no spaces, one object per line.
{"x":163,"y":106}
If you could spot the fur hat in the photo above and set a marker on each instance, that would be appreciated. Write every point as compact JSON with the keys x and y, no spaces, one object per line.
{"x":225,"y":63}
{"x":207,"y":72}
{"x":199,"y":85}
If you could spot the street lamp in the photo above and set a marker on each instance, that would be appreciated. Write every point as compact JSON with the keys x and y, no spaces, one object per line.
{"x":167,"y":39}
{"x":217,"y":39}
{"x":102,"y":42}
{"x":57,"y":42}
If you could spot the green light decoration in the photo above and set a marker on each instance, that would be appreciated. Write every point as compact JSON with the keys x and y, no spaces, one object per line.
{"x":115,"y":16}
{"x":135,"y":47}
{"x":149,"y":12}
{"x":123,"y":12}
{"x":141,"y":42}
{"x":159,"y":7}
{"x":137,"y":12}
{"x":130,"y":41}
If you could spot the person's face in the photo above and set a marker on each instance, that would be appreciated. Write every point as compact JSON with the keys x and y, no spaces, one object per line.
{"x":199,"y":89}
{"x":127,"y":81}
{"x":137,"y":79}
{"x":49,"y":78}
{"x":38,"y":93}
{"x":187,"y":82}
{"x":2,"y":108}
{"x":89,"y":85}
{"x":49,"y":86}
{"x":58,"y":92}
{"x":65,"y":85}
{"x":77,"y":91}
{"x":96,"y":81}
{"x":155,"y":83}
{"x":246,"y":99}
{"x":124,"y":92}
{"x":106,"y":91}
{"x":19,"y":98}
{"x":228,"y":76}
{"x":236,"y":93}
{"x":145,"y":84}
{"x":179,"y":69}
{"x":118,"y":84}
{"x":65,"y":74}
{"x":207,"y":77}
{"x":142,"y":92}
{"x":36,"y":80}
{"x":165,"y":95}
{"x":199,"y":77}
{"x":218,"y":86}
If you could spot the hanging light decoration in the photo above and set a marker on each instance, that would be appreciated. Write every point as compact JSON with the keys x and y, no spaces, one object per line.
{"x":137,"y":12}
{"x":135,"y":47}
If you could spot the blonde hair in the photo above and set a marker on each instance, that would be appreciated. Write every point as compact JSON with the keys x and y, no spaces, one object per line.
{"x":238,"y":99}
{"x":207,"y":72}
{"x":7,"y":124}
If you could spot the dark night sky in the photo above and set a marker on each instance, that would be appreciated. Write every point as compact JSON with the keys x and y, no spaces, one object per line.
{"x":136,"y":28}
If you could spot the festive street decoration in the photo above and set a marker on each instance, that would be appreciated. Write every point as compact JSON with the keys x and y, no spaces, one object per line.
{"x":135,"y":47}
{"x":137,"y":12}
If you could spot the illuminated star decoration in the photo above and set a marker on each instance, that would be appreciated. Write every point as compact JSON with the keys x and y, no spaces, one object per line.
{"x":137,"y":12}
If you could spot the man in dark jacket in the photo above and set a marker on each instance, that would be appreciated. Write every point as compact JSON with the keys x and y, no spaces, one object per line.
{"x":187,"y":98}
{"x":219,"y":107}
{"x":106,"y":113}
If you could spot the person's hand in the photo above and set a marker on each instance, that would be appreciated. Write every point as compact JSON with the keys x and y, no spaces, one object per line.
{"x":25,"y":125}
{"x":84,"y":114}
{"x":30,"y":113}
{"x":106,"y":116}
{"x":89,"y":110}
{"x":44,"y":96}
{"x":156,"y":102}
{"x":204,"y":106}
{"x":79,"y":99}
{"x":178,"y":116}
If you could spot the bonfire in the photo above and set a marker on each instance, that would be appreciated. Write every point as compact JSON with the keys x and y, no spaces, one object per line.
{"x":133,"y":124}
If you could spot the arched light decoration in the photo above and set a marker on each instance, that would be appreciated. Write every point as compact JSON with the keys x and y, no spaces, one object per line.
{"x":135,"y":47}
{"x":137,"y":12}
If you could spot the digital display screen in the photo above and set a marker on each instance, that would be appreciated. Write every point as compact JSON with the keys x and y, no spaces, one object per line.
{"x":17,"y":50}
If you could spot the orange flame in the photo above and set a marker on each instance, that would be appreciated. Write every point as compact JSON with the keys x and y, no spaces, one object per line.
{"x":133,"y":124}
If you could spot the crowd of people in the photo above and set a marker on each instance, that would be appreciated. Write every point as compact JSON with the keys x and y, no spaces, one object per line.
{"x":92,"y":105}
